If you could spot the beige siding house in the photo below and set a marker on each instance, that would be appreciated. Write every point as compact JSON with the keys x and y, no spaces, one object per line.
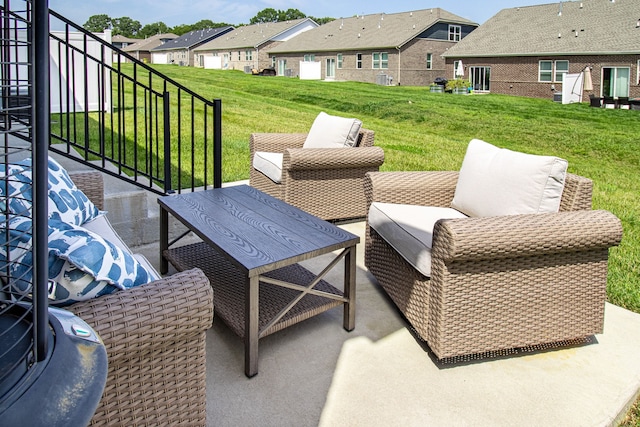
{"x":141,"y":50}
{"x":399,"y":48}
{"x":527,"y":51}
{"x":246,"y":47}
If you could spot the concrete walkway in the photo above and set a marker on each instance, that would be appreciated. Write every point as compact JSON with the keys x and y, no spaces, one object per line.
{"x":315,"y":373}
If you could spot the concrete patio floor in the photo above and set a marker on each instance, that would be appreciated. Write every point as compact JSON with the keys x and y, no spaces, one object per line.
{"x":316,"y":373}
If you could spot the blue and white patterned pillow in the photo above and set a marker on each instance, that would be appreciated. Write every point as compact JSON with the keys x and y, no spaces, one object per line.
{"x":15,"y":188}
{"x":66,"y":202}
{"x":17,"y":235}
{"x":81,"y":263}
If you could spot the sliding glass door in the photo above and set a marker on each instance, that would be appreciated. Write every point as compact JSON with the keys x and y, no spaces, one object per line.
{"x":615,"y":81}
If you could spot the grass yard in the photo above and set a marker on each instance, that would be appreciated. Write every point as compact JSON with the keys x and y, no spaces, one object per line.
{"x":419,"y":130}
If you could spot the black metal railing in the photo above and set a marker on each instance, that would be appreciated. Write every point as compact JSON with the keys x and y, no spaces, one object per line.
{"x":127,"y":119}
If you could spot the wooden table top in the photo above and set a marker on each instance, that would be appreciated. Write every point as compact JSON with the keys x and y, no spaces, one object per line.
{"x":255,"y":231}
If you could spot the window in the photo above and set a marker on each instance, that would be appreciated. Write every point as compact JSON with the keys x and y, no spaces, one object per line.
{"x":429,"y":61}
{"x":358,"y":60}
{"x":248,"y":55}
{"x":562,"y":67}
{"x":380,"y":60}
{"x":552,"y":71}
{"x":309,"y":58}
{"x":455,"y":32}
{"x":239,"y":56}
{"x":339,"y":60}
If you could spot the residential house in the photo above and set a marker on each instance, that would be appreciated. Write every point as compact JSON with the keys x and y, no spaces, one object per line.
{"x":179,"y":51}
{"x":246,"y":48}
{"x":526,"y":51}
{"x":142,"y":49}
{"x":399,"y":48}
{"x":121,"y":42}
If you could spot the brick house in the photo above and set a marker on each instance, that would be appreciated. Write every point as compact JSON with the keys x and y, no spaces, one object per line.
{"x":399,"y":48}
{"x":246,"y":47}
{"x":526,"y":51}
{"x":180,"y":51}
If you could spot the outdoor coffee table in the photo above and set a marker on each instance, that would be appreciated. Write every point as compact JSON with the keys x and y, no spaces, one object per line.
{"x":250,"y":249}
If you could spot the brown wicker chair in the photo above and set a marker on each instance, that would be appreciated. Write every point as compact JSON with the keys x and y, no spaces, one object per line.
{"x":326,"y":182}
{"x":497,"y":283}
{"x":155,"y":340}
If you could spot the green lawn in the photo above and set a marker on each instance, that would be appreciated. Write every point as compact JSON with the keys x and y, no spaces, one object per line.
{"x":419,"y":130}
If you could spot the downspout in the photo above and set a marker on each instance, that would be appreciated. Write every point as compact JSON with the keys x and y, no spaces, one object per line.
{"x":398,"y":82}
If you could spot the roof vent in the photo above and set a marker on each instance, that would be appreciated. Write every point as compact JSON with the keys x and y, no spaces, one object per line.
{"x":638,"y":24}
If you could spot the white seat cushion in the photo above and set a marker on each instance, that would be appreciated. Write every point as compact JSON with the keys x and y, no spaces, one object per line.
{"x":269,"y":164}
{"x":332,"y":132}
{"x":409,"y":229}
{"x":495,"y":181}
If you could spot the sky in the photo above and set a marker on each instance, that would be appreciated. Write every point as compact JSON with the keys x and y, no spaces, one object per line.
{"x":176,"y":12}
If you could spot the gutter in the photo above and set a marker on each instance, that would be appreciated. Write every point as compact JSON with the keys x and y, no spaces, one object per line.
{"x":398,"y":81}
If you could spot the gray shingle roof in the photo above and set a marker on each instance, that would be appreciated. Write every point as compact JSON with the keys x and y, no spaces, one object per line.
{"x":194,"y":38}
{"x":602,"y":27}
{"x":369,"y":31}
{"x":251,"y":36}
{"x":149,"y":43}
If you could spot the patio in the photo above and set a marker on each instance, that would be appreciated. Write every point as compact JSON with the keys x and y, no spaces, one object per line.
{"x":316,"y":373}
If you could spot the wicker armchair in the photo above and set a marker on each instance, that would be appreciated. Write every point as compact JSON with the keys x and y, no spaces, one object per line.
{"x":155,"y":340}
{"x":497,"y":283}
{"x":326,"y":182}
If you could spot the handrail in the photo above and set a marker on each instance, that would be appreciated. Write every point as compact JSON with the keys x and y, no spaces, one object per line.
{"x":127,"y":119}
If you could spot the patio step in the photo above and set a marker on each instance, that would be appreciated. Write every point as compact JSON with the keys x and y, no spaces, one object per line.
{"x":132,"y":211}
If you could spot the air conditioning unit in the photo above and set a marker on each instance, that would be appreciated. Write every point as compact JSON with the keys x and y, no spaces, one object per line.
{"x":384,"y":79}
{"x":288,"y":72}
{"x":247,"y":69}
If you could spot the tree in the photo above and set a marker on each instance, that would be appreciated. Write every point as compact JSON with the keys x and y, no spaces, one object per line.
{"x":290,"y":15}
{"x":181,"y":29}
{"x":265,"y":15}
{"x":97,"y":23}
{"x":125,"y":26}
{"x":153,"y":29}
{"x":322,"y":21}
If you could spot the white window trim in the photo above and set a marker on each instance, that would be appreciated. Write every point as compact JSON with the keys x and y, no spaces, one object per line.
{"x":638,"y":73}
{"x":455,"y":33}
{"x":358,"y":61}
{"x":380,"y":61}
{"x":553,"y":71}
{"x":339,"y":60}
{"x":429,"y":61}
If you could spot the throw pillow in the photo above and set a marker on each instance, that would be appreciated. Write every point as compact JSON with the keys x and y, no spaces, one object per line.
{"x":82,"y":264}
{"x":495,"y":181}
{"x":15,"y":188}
{"x":66,"y":202}
{"x":332,"y":132}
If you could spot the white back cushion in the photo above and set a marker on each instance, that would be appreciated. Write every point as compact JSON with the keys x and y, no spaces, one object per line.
{"x":495,"y":181}
{"x":332,"y":132}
